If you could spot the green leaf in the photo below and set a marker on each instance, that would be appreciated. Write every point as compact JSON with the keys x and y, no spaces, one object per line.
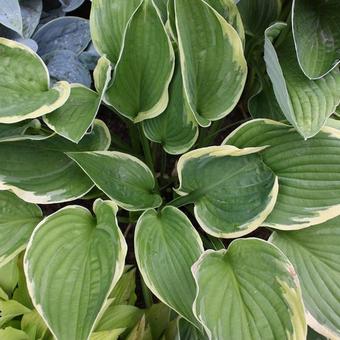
{"x":176,"y":129}
{"x":212,"y":88}
{"x":38,"y":171}
{"x":17,"y":221}
{"x":306,"y":103}
{"x":257,"y":15}
{"x":158,"y":318}
{"x":263,"y":104}
{"x":249,"y":291}
{"x":102,"y":75}
{"x":9,"y":275}
{"x":10,"y":15}
{"x":316,"y":30}
{"x":21,"y":130}
{"x":124,"y":291}
{"x":315,"y":254}
{"x":187,"y":332}
{"x":108,"y":21}
{"x":312,"y":335}
{"x":10,"y":333}
{"x":122,"y":177}
{"x":34,"y":325}
{"x":166,"y":246}
{"x":232,"y":189}
{"x":308,"y":171}
{"x":107,"y":335}
{"x":10,"y":309}
{"x":24,"y":84}
{"x":74,"y":118}
{"x":229,"y":11}
{"x":83,"y":258}
{"x":134,"y":93}
{"x":119,"y":316}
{"x":140,"y":332}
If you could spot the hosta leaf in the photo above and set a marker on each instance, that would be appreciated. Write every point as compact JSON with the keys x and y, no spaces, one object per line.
{"x":212,"y":88}
{"x":308,"y":171}
{"x":316,"y":29}
{"x":229,"y":11}
{"x":19,"y":130}
{"x":65,"y":65}
{"x":232,"y":189}
{"x":102,"y":75}
{"x":107,"y":335}
{"x":24,"y":84}
{"x":10,"y":333}
{"x":17,"y":221}
{"x":306,"y":103}
{"x":34,"y":325}
{"x":71,"y":5}
{"x":108,"y":21}
{"x":65,"y":33}
{"x":124,"y":291}
{"x":119,"y":316}
{"x":30,"y":12}
{"x":263,"y":103}
{"x":257,"y":15}
{"x":124,"y":178}
{"x":186,"y":331}
{"x":134,"y":93}
{"x":175,"y":128}
{"x":83,"y":258}
{"x":73,"y":119}
{"x":162,"y":6}
{"x":249,"y":291}
{"x":10,"y":15}
{"x":10,"y":309}
{"x":158,"y":318}
{"x":89,"y":57}
{"x":315,"y":254}
{"x":166,"y":246}
{"x":9,"y":275}
{"x":38,"y":171}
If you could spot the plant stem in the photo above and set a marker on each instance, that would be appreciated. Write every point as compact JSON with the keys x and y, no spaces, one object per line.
{"x":184,"y":200}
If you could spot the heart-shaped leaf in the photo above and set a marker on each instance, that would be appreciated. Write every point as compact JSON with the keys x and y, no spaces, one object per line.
{"x":212,"y":88}
{"x":134,"y":93}
{"x":17,"y":221}
{"x":176,"y":129}
{"x":249,"y":291}
{"x":24,"y":84}
{"x":73,"y":119}
{"x":65,"y":33}
{"x":166,"y":246}
{"x":83,"y":258}
{"x":65,"y":65}
{"x":38,"y":171}
{"x":108,"y":21}
{"x":306,"y":103}
{"x":232,"y":189}
{"x":318,"y":51}
{"x":308,"y":171}
{"x":124,"y":178}
{"x":315,"y":254}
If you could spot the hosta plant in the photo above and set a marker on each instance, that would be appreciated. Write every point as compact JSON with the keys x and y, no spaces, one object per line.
{"x":169,"y":169}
